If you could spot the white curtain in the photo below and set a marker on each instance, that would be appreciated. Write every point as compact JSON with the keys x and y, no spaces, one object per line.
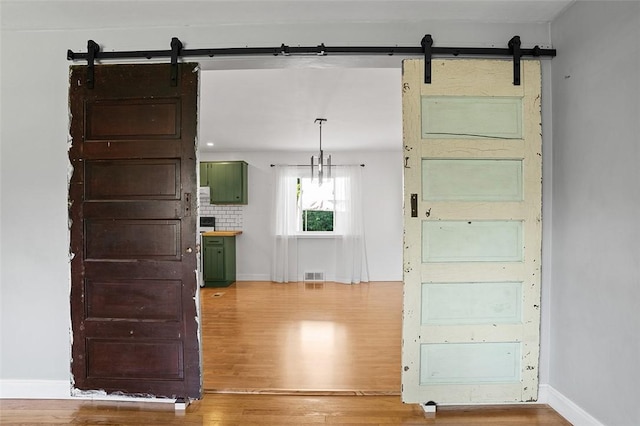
{"x":349,"y":255}
{"x":350,"y":248}
{"x":285,"y":241}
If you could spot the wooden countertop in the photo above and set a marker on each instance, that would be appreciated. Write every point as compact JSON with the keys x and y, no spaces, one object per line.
{"x":221,"y":233}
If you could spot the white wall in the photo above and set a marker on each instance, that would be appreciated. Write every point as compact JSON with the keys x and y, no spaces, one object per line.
{"x":382,"y":199}
{"x":595,"y":300}
{"x":35,"y":276}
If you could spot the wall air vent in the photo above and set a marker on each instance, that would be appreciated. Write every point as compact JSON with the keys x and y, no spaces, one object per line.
{"x":314,"y":276}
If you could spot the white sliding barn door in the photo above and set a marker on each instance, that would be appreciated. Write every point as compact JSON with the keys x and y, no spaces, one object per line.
{"x":472,"y":145}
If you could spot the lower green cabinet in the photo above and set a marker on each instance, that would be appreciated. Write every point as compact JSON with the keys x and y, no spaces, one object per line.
{"x":219,"y":261}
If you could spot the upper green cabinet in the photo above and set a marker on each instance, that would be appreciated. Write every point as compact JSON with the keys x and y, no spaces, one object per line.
{"x":227,"y":181}
{"x":204,"y":175}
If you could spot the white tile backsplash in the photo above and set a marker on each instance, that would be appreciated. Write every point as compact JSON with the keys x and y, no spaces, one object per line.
{"x":228,"y":218}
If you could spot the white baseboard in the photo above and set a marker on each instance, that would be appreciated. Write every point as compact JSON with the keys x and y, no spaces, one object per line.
{"x":253,"y":277}
{"x":565,"y":407}
{"x":35,"y":389}
{"x":61,"y":389}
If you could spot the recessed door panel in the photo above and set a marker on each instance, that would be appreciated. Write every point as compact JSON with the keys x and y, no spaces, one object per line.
{"x":133,"y":119}
{"x":120,"y":358}
{"x":471,"y":117}
{"x":158,"y":300}
{"x":467,"y":363}
{"x":471,"y":180}
{"x":472,"y":303}
{"x":472,"y":241}
{"x":133,"y":239}
{"x":132,"y":179}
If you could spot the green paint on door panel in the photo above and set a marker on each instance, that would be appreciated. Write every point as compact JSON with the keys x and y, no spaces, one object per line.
{"x":465,"y":117}
{"x":471,"y":180}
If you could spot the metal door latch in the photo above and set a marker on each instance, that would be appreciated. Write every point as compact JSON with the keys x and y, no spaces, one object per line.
{"x":414,"y":205}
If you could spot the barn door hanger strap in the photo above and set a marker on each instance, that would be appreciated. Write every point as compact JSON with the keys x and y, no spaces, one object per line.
{"x":176,"y":47}
{"x":426,"y":50}
{"x":92,"y":50}
{"x":93,"y":53}
{"x":514,"y":50}
{"x":514,"y":47}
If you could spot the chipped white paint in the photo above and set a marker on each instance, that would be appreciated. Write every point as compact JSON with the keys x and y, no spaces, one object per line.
{"x":487,"y":350}
{"x":101,"y":395}
{"x":197,"y":318}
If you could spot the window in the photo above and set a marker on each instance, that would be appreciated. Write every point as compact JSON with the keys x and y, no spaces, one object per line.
{"x":302,"y":208}
{"x":315,"y":205}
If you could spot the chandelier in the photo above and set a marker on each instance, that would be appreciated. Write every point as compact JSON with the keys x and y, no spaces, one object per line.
{"x":320,"y":158}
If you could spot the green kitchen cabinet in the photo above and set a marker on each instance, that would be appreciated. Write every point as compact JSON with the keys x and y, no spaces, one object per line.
{"x":227,"y":181}
{"x":204,"y":174}
{"x":219,"y":261}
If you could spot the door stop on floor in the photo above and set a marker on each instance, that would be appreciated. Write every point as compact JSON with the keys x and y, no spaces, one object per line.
{"x":429,"y":408}
{"x":181,"y":404}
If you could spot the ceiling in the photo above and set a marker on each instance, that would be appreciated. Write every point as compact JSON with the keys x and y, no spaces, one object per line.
{"x":110,"y":14}
{"x":274,"y":109}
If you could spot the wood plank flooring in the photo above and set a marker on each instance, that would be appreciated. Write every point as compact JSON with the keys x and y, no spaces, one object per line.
{"x":262,"y":336}
{"x":251,"y":409}
{"x":295,"y":354}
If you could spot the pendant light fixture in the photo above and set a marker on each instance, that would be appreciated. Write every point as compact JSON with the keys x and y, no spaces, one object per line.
{"x":320,"y":158}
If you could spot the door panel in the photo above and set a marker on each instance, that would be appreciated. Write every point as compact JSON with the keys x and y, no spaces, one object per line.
{"x":133,"y":231}
{"x":133,"y":119}
{"x":471,"y":117}
{"x":133,"y":179}
{"x":214,"y":260}
{"x":471,"y":303}
{"x":227,"y":182}
{"x":132,"y":239}
{"x":472,"y":252}
{"x":478,"y":241}
{"x":464,"y":363}
{"x":118,"y":359}
{"x":471,"y":180}
{"x":134,"y":299}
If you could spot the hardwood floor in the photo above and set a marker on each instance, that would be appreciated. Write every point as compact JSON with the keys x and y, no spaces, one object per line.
{"x":278,"y":354}
{"x":251,"y":409}
{"x":261,"y":336}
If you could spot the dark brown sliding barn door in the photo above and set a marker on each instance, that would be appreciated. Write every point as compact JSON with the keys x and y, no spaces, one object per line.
{"x":133,"y":230}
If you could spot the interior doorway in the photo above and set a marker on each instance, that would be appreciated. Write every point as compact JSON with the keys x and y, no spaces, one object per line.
{"x":278,"y":127}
